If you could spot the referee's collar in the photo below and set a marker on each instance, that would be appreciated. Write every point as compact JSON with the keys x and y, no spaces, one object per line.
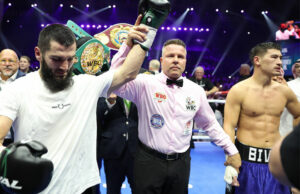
{"x":163,"y":77}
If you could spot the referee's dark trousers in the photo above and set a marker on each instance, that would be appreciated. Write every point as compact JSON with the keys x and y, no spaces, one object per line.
{"x":158,"y":173}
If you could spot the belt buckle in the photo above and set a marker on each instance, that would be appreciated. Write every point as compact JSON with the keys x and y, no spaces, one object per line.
{"x":172,"y":156}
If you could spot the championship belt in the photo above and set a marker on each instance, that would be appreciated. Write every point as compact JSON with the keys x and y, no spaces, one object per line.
{"x":92,"y":56}
{"x":114,"y":36}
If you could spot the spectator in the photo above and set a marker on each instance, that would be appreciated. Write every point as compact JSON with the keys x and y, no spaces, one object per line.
{"x":154,"y":66}
{"x":118,"y":137}
{"x":25,"y":64}
{"x":286,"y":120}
{"x":9,"y":72}
{"x":244,"y":72}
{"x":205,"y":83}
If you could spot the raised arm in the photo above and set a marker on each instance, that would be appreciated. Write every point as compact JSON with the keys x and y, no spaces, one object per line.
{"x":153,"y":14}
{"x":132,"y":64}
{"x":5,"y":124}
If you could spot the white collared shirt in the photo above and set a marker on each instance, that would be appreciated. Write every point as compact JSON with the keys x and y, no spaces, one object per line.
{"x":286,"y":120}
{"x":4,"y":83}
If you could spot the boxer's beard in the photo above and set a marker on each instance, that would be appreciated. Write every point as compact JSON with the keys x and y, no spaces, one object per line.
{"x":52,"y":83}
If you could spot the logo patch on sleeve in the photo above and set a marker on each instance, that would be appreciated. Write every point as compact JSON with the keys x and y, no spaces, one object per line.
{"x":157,"y":121}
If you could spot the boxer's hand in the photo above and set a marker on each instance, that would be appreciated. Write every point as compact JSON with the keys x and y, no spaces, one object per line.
{"x":154,"y":13}
{"x":231,"y":176}
{"x":137,"y":32}
{"x":112,"y":98}
{"x":23,"y":170}
{"x":234,"y":161}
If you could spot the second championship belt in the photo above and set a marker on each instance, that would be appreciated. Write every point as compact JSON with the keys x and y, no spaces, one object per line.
{"x":114,"y":36}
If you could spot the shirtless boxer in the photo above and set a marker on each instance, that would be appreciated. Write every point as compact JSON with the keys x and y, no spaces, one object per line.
{"x":254,"y":106}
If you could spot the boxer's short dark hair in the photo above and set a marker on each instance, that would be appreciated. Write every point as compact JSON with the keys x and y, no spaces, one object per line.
{"x":57,"y":32}
{"x":262,"y":48}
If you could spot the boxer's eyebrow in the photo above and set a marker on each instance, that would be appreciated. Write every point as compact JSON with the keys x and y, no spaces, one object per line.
{"x":276,"y":56}
{"x":59,"y":58}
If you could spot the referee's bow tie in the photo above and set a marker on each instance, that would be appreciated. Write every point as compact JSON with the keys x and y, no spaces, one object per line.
{"x":179,"y":82}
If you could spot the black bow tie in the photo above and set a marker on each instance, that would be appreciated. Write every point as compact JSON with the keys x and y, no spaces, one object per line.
{"x":179,"y":82}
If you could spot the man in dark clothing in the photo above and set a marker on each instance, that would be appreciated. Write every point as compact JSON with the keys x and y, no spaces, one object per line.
{"x":118,"y":137}
{"x":206,"y":84}
{"x":244,"y":72}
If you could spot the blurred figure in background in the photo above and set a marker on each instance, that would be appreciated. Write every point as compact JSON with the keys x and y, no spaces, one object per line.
{"x":118,"y":140}
{"x":9,"y":72}
{"x":244,"y":72}
{"x":282,"y":33}
{"x":286,"y":119}
{"x":205,"y":83}
{"x":154,"y":66}
{"x":25,"y":64}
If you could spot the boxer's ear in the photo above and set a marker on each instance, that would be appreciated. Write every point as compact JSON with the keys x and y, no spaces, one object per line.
{"x":256,"y":60}
{"x":38,"y":53}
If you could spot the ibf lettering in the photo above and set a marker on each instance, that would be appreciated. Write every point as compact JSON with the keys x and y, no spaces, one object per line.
{"x":259,"y":155}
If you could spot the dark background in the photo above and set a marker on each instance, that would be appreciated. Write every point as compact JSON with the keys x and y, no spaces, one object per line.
{"x":226,"y":45}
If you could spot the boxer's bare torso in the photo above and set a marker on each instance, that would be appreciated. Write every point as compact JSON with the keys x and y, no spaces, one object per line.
{"x":259,"y":109}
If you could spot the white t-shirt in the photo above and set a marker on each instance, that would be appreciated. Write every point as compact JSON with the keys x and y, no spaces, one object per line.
{"x":65,"y":122}
{"x":286,"y":120}
{"x":4,"y":84}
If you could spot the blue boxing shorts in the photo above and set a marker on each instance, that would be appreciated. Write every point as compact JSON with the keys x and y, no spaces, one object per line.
{"x":255,"y":176}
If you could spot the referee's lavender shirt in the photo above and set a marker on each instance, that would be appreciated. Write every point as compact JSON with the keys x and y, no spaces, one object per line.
{"x":166,"y":113}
